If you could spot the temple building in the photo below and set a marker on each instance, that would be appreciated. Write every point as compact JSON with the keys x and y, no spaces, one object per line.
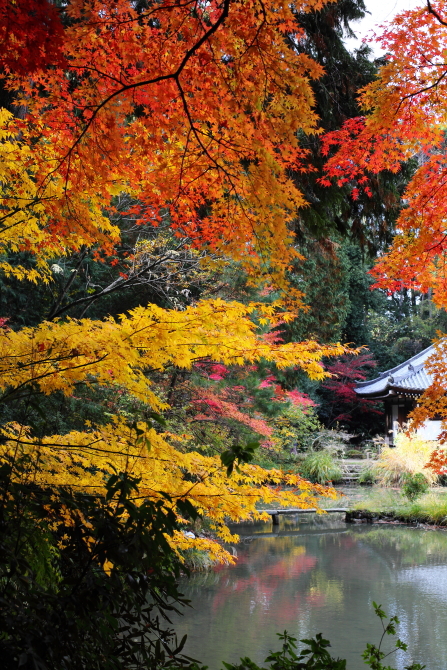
{"x":399,"y":388}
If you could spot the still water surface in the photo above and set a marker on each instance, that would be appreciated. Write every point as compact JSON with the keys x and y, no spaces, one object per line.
{"x":321,"y":576}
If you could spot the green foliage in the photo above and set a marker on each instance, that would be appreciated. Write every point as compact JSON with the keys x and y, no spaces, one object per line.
{"x":295,"y":428}
{"x":403,"y":324}
{"x":373,"y":654}
{"x":320,"y":467}
{"x":361,"y":298}
{"x":81,"y":589}
{"x":59,"y":414}
{"x":153,"y":267}
{"x":415,"y":485}
{"x":238,"y":454}
{"x":332,"y":440}
{"x":324,"y":278}
{"x":315,"y":655}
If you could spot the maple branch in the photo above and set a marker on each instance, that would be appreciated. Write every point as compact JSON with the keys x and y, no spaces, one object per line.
{"x":90,"y":446}
{"x":7,"y":395}
{"x":196,"y":133}
{"x":422,"y":90}
{"x":145,"y":15}
{"x":435,"y":14}
{"x":155,"y":80}
{"x":155,"y":280}
{"x":182,"y":164}
{"x":75,"y":67}
{"x":16,"y":210}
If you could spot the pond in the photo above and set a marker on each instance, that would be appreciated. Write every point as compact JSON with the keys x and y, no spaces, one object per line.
{"x":321,"y":575}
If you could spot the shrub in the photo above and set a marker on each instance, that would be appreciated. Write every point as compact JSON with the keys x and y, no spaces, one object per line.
{"x":354,"y":453}
{"x":408,"y":457}
{"x":415,"y":486}
{"x":334,"y":441}
{"x":320,"y":467}
{"x":315,"y":654}
{"x":295,"y":429}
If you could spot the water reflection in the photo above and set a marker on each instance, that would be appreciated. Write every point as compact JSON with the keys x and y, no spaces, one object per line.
{"x":321,"y":575}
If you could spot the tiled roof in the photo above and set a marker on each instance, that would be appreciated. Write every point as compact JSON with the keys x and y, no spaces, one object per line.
{"x":409,"y":376}
{"x":418,"y":381}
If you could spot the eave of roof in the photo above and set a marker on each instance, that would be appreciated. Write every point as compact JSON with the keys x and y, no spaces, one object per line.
{"x":408,"y":377}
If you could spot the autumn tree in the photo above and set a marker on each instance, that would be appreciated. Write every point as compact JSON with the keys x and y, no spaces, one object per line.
{"x":184,"y":119}
{"x":369,"y":219}
{"x":130,"y":97}
{"x":341,"y":405}
{"x":405,"y":118}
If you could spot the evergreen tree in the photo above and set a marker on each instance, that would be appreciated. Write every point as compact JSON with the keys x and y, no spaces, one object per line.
{"x":332,"y":211}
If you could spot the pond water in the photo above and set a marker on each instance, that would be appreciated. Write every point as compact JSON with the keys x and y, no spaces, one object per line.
{"x":321,"y":575}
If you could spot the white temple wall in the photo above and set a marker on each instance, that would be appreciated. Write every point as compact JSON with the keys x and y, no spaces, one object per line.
{"x":430,"y":430}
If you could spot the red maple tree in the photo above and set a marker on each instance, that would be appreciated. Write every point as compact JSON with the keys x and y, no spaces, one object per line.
{"x":341,"y":402}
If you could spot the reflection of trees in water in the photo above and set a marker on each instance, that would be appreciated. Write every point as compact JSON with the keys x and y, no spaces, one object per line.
{"x":275,"y":574}
{"x":323,"y":590}
{"x":319,"y":581}
{"x":404,"y":547}
{"x":281,"y":557}
{"x":278,"y":557}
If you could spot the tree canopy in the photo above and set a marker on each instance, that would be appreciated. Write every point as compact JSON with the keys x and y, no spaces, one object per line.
{"x":144,"y":146}
{"x":161,"y":185}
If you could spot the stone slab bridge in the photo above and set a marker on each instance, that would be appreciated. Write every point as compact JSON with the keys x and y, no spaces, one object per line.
{"x":274,"y":513}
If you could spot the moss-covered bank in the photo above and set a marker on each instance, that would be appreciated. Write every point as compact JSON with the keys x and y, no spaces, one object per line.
{"x":386,"y":504}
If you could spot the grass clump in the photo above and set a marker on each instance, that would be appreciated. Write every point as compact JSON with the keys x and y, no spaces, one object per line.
{"x":367,"y":475}
{"x":197,"y":560}
{"x":408,"y":457}
{"x":432,"y":507}
{"x":320,"y":467}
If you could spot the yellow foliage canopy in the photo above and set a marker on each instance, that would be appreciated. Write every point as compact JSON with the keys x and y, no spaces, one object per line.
{"x":83,"y":461}
{"x":57,"y":356}
{"x":194,"y":113}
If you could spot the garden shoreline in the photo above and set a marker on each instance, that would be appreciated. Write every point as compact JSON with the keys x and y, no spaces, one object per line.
{"x":392,"y":518}
{"x":378,"y":504}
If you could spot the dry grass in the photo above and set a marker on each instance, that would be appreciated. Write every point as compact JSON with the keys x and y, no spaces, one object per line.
{"x":409,"y":456}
